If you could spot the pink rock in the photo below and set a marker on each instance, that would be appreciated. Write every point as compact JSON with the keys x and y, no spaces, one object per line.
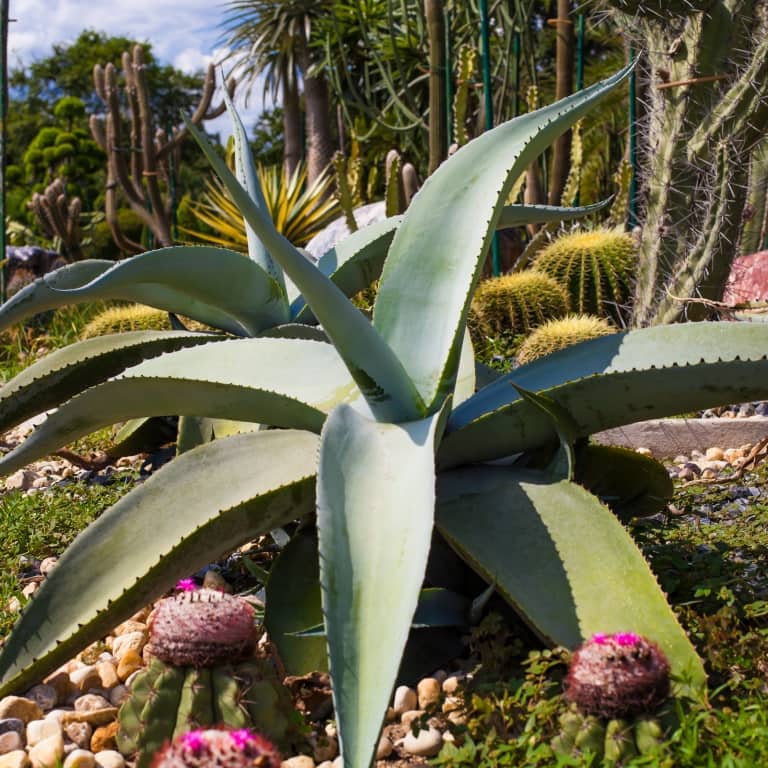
{"x":748,"y":280}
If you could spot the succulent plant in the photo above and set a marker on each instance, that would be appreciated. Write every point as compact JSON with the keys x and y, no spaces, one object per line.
{"x":514,"y":304}
{"x":560,"y":333}
{"x":618,"y":675}
{"x":596,"y":268}
{"x":202,"y":674}
{"x":361,"y":402}
{"x":218,"y":748}
{"x":132,"y":317}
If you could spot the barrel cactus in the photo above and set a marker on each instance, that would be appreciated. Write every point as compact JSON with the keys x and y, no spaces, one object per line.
{"x":218,"y":748}
{"x":558,"y":334}
{"x":596,"y":268}
{"x":514,"y":304}
{"x":202,"y":673}
{"x":131,"y":317}
{"x":620,"y":678}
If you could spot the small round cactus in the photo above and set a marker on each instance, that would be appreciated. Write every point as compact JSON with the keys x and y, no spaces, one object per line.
{"x":218,"y":748}
{"x":199,"y":628}
{"x":617,"y":676}
{"x":132,"y":317}
{"x":202,"y":674}
{"x":555,"y":335}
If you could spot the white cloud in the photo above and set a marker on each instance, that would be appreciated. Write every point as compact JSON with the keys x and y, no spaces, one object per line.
{"x":187,"y":35}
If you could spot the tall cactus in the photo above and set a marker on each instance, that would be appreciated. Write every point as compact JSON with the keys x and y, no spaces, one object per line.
{"x":59,"y":218}
{"x":438,"y":122}
{"x":704,"y":67}
{"x":140,"y":164}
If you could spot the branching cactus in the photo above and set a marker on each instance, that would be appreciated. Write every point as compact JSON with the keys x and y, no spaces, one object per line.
{"x":704,"y":76}
{"x":140,"y":164}
{"x":59,"y":218}
{"x":202,"y":673}
{"x":218,"y":748}
{"x":620,"y":678}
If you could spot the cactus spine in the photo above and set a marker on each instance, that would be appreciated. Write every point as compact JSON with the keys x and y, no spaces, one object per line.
{"x":705,"y":77}
{"x":464,"y":81}
{"x":202,"y":674}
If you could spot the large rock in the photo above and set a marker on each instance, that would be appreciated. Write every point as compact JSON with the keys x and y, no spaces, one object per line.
{"x":748,"y":280}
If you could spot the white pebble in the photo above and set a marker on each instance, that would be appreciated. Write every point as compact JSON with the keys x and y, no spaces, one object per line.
{"x":109,"y":758}
{"x":426,"y":744}
{"x":405,"y":700}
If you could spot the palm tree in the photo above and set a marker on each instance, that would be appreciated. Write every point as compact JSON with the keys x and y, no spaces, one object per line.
{"x":272,"y":38}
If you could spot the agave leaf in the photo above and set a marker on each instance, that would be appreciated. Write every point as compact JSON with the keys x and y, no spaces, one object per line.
{"x":466,"y":378}
{"x":377,"y":371}
{"x":281,"y":382}
{"x":248,"y":178}
{"x":519,"y":215}
{"x":374,"y":538}
{"x":41,"y":295}
{"x":50,"y":381}
{"x":560,"y":558}
{"x":212,"y":285}
{"x":610,"y":381}
{"x":194,"y":510}
{"x":192,"y":432}
{"x":437,"y":252}
{"x":354,"y":263}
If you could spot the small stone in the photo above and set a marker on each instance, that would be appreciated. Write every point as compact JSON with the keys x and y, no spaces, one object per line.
{"x":452,"y":703}
{"x":451,"y":684}
{"x":21,"y":708}
{"x":107,"y":674}
{"x":85,"y":678}
{"x":746,"y":410}
{"x":384,"y":748}
{"x":330,"y":730}
{"x":118,"y":695}
{"x":104,"y":738}
{"x":20,"y":481}
{"x":10,"y":741}
{"x":15,"y":759}
{"x":130,"y":641}
{"x":407,"y":718}
{"x":731,"y":455}
{"x":300,"y":761}
{"x":12,"y":724}
{"x":130,"y":663}
{"x":62,"y":684}
{"x":47,"y":753}
{"x":80,"y":758}
{"x":90,"y":702}
{"x":214,"y":580}
{"x":324,"y":747}
{"x":390,"y":716}
{"x":715,"y":454}
{"x":57,"y":714}
{"x":708,"y":474}
{"x":30,"y":589}
{"x":644,"y":451}
{"x":13,"y":605}
{"x":694,"y":467}
{"x":685,"y":474}
{"x":458,"y":717}
{"x":429,"y":692}
{"x":95,"y":717}
{"x":79,"y":733}
{"x":440,"y":675}
{"x":37,"y":730}
{"x":325,"y":764}
{"x":47,"y":565}
{"x":681,"y":459}
{"x":405,"y":700}
{"x":130,"y":626}
{"x":45,"y":695}
{"x":109,"y":758}
{"x":426,"y":744}
{"x":338,"y":763}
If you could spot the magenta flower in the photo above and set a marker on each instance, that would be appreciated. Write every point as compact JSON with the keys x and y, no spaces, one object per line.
{"x":626,"y":638}
{"x":599,"y":638}
{"x":193,"y":740}
{"x":241,"y":738}
{"x":186,"y":585}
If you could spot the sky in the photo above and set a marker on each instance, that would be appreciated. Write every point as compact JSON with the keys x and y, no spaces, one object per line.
{"x":184,"y":33}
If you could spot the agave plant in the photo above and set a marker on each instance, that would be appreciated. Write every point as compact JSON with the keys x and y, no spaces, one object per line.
{"x":381,"y":432}
{"x":298,"y":210}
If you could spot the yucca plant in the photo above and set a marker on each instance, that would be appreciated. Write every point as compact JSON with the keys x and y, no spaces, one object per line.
{"x":380,"y":401}
{"x":298,"y":210}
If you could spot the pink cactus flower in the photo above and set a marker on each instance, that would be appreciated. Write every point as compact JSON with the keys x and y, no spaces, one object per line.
{"x":193,"y":740}
{"x":626,"y":639}
{"x":600,"y":638}
{"x":241,"y":738}
{"x":186,"y":585}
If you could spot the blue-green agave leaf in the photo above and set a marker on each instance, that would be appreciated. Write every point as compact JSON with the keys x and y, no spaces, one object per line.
{"x":48,"y":382}
{"x":377,"y":371}
{"x":520,"y":215}
{"x":560,"y":558}
{"x":375,"y":500}
{"x":281,"y":382}
{"x":194,"y":510}
{"x":40,"y":295}
{"x":438,"y":250}
{"x":610,"y":381}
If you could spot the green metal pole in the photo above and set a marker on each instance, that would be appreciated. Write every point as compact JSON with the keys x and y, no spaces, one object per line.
{"x":633,"y":142}
{"x":4,"y":4}
{"x":486,"y":46}
{"x":448,"y":81}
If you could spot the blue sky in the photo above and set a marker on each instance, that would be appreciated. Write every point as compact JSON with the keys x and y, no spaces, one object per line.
{"x":184,"y":33}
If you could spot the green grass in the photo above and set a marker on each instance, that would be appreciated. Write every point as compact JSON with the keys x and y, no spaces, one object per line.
{"x":43,"y":524}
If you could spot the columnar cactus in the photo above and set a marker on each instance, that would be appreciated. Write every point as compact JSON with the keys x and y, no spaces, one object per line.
{"x":703,"y":77}
{"x":218,"y":748}
{"x":202,"y":673}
